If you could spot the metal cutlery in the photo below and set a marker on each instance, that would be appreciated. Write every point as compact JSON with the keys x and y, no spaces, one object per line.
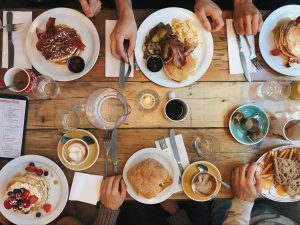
{"x":126,"y":46}
{"x":13,"y":27}
{"x":122,"y":75}
{"x":163,"y":144}
{"x":253,"y":58}
{"x":107,"y":147}
{"x":11,"y":48}
{"x":114,"y":150}
{"x":175,"y":151}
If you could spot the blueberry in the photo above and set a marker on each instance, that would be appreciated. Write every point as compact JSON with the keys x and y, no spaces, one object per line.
{"x":46,"y":173}
{"x":10,"y":193}
{"x":19,"y":202}
{"x":38,"y":214}
{"x":31,"y":164}
{"x":15,"y":191}
{"x":15,"y":207}
{"x":22,"y":190}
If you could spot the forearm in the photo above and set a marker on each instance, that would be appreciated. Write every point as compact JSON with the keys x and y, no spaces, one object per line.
{"x":124,"y":7}
{"x":106,"y":216}
{"x":179,"y":218}
{"x":239,"y":212}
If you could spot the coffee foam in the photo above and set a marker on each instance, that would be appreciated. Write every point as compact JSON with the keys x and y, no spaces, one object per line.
{"x":76,"y":152}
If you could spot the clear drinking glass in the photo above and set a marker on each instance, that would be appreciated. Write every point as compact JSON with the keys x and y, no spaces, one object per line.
{"x":67,"y":121}
{"x":147,"y":100}
{"x":274,"y":90}
{"x":45,"y":88}
{"x":205,"y":145}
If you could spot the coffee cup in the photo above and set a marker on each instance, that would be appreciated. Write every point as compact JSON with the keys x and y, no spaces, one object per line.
{"x":204,"y":184}
{"x":19,"y":80}
{"x":175,"y":109}
{"x":286,"y":129}
{"x":75,"y":151}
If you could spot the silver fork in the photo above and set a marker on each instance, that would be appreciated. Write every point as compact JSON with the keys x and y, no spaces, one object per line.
{"x":107,"y":147}
{"x":13,"y":27}
{"x":163,"y":144}
{"x":253,"y":58}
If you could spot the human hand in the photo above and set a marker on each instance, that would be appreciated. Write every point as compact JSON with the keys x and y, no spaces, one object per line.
{"x":113,"y":192}
{"x":205,"y":8}
{"x":125,"y":29}
{"x":90,"y":7}
{"x":170,"y":206}
{"x":243,"y":186}
{"x":246,"y":17}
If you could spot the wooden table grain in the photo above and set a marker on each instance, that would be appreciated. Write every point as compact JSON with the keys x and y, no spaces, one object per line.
{"x":211,"y":100}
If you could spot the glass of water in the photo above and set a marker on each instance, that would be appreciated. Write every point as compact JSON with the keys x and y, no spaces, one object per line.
{"x":205,"y":145}
{"x":45,"y":88}
{"x":67,"y":121}
{"x":274,"y":90}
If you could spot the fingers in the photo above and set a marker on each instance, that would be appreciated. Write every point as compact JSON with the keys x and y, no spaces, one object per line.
{"x":120,"y":48}
{"x":131,"y":47}
{"x":123,"y":189}
{"x":248,"y":25}
{"x":251,"y":171}
{"x":86,"y":8}
{"x":258,"y":184}
{"x":109,"y":183}
{"x":242,"y":172}
{"x":218,"y":22}
{"x":255,"y":20}
{"x":240,"y":26}
{"x":260,"y":23}
{"x":204,"y":20}
{"x":116,"y":184}
{"x":235,"y":177}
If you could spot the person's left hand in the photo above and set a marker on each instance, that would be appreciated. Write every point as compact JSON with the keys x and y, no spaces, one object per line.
{"x":125,"y":29}
{"x":246,"y":18}
{"x":170,"y":206}
{"x":90,"y":7}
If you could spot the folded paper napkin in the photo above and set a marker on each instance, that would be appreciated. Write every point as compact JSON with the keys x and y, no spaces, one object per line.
{"x":86,"y":188}
{"x":112,"y":64}
{"x":235,"y":66}
{"x":19,"y":37}
{"x":182,"y":153}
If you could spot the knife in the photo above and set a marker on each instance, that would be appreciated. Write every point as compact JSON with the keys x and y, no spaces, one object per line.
{"x":242,"y":57}
{"x":114,"y":150}
{"x":175,"y":150}
{"x":11,"y":49}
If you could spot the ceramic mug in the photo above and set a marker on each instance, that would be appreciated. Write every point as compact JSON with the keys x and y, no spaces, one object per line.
{"x":69,"y":143}
{"x":9,"y":79}
{"x":212,"y":190}
{"x":286,"y":129}
{"x":175,"y":109}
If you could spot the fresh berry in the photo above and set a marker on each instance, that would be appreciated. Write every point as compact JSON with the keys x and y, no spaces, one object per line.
{"x":7,"y":205}
{"x":30,"y":168}
{"x":15,"y":207}
{"x":38,"y":214}
{"x":46,"y":173}
{"x":47,"y":208}
{"x":22,"y":190}
{"x":10,"y":193}
{"x":15,"y":191}
{"x":12,"y":200}
{"x":298,"y":19}
{"x":33,"y":199}
{"x":39,"y":172}
{"x":18,"y":196}
{"x":26,"y":203}
{"x":25,"y":194}
{"x":19,"y":202}
{"x":32,"y":164}
{"x":275,"y":52}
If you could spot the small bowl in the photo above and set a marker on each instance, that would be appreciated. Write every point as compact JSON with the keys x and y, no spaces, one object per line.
{"x":68,"y":143}
{"x":240,"y":134}
{"x":76,"y":64}
{"x":154,"y":63}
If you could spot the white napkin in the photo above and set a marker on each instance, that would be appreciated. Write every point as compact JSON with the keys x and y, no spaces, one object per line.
{"x":20,"y":60}
{"x":184,"y":159}
{"x":112,"y":64}
{"x":235,"y":66}
{"x":86,"y":188}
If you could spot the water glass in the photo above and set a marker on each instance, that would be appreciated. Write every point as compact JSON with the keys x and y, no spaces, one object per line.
{"x":205,"y":145}
{"x":45,"y":88}
{"x":67,"y":121}
{"x":274,"y":90}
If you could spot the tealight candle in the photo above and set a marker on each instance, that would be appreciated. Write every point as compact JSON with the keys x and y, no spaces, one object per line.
{"x":148,"y":100}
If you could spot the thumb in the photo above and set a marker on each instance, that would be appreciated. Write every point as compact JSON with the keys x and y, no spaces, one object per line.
{"x":204,"y":20}
{"x":85,"y":7}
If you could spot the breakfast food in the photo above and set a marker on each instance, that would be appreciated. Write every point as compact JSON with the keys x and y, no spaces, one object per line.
{"x":148,"y":178}
{"x":204,"y":184}
{"x":280,"y":171}
{"x":58,"y":42}
{"x":287,"y":41}
{"x":174,"y":44}
{"x":28,"y":192}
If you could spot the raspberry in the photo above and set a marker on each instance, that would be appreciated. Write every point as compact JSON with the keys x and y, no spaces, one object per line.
{"x":47,"y":208}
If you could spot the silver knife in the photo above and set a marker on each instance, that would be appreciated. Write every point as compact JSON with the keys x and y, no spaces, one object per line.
{"x":11,"y":49}
{"x":114,"y":150}
{"x":175,"y":150}
{"x":242,"y":57}
{"x":122,"y":74}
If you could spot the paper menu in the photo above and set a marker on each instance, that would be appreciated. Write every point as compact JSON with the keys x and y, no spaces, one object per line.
{"x":12,"y":118}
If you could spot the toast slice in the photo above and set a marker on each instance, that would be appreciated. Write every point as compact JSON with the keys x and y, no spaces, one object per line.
{"x":293,"y":188}
{"x":286,"y":170}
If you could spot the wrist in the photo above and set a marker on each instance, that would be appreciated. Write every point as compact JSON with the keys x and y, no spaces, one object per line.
{"x":124,"y":8}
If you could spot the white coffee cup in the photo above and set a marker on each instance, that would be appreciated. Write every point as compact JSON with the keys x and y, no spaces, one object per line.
{"x":286,"y":129}
{"x":175,"y":109}
{"x":75,"y":155}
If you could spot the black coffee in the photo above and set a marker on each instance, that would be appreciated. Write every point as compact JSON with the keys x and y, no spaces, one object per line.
{"x":176,"y":109}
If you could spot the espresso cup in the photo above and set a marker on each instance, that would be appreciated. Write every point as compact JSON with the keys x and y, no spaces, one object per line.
{"x":20,"y":80}
{"x":175,"y":109}
{"x":203,"y":191}
{"x":286,"y":129}
{"x":75,"y":151}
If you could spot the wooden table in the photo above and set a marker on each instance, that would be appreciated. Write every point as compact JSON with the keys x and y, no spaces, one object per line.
{"x":211,"y":100}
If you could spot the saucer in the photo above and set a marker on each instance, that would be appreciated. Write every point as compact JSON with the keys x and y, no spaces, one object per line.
{"x":92,"y":157}
{"x":188,"y":175}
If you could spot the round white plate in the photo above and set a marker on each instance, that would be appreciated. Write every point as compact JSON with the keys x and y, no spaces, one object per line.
{"x":84,"y":27}
{"x":203,"y":53}
{"x":266,"y":39}
{"x":162,"y":157}
{"x":274,"y":196}
{"x":58,"y":194}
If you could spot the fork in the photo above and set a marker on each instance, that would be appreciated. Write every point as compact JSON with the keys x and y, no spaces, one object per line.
{"x":253,"y":58}
{"x":13,"y":27}
{"x":107,"y":147}
{"x":163,"y":144}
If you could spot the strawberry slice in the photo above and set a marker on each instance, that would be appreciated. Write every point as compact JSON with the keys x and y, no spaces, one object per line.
{"x":47,"y":208}
{"x":298,"y":19}
{"x":39,"y":172}
{"x":275,"y":52}
{"x":33,"y":199}
{"x":30,"y":168}
{"x":25,"y":194}
{"x":7,"y":205}
{"x":26,"y":203}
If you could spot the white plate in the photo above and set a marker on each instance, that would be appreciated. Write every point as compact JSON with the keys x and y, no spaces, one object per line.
{"x":266,"y":39}
{"x":168,"y":162}
{"x":203,"y":53}
{"x":58,"y":194}
{"x":266,"y":193}
{"x":84,"y":27}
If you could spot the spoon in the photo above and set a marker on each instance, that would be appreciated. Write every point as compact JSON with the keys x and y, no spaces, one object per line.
{"x":86,"y":139}
{"x":202,"y":169}
{"x":6,"y":87}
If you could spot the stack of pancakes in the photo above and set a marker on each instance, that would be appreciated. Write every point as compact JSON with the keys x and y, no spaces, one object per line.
{"x":287,"y":39}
